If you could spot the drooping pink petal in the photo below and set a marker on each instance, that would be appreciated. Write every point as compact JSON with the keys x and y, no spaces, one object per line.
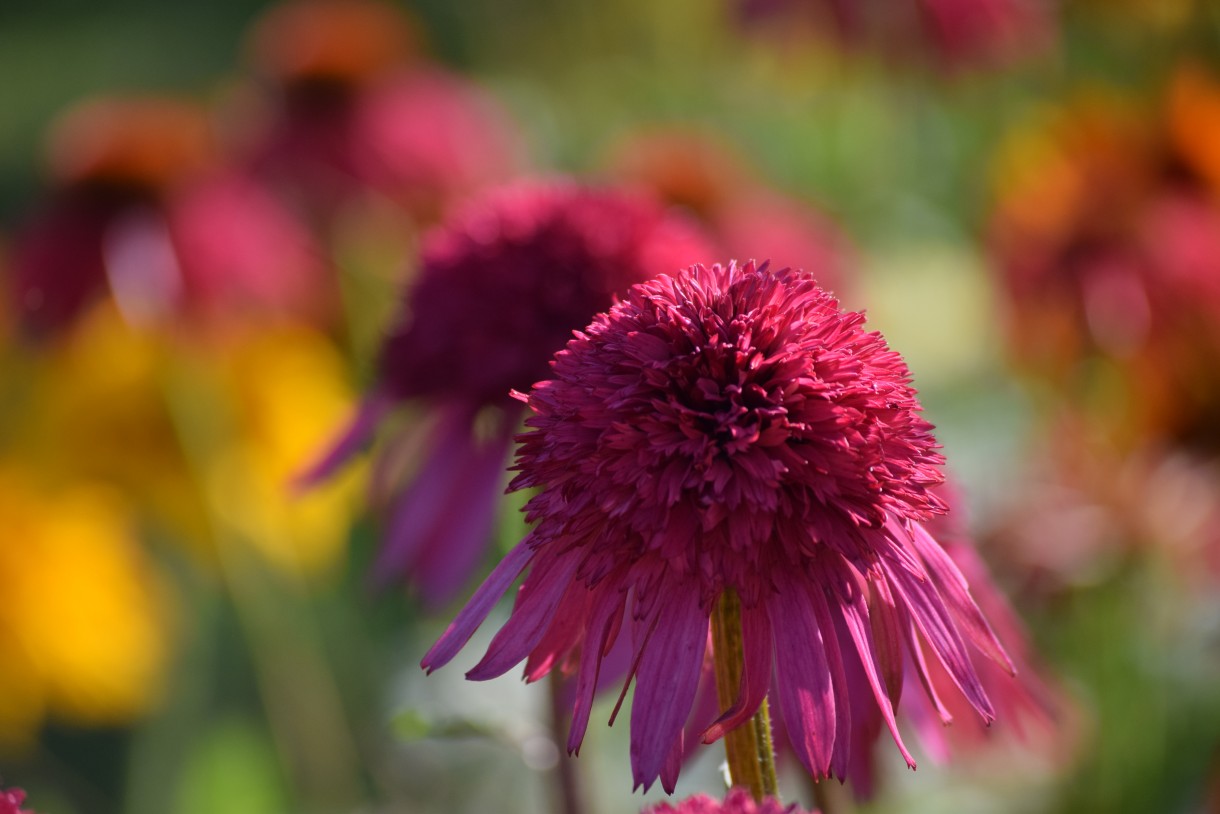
{"x":806,"y":693}
{"x":853,"y":610}
{"x":920,"y":665}
{"x":755,"y":672}
{"x":532,"y":614}
{"x":666,"y":680}
{"x":472,"y":615}
{"x":445,"y":562}
{"x":952,"y":586}
{"x":934,"y":622}
{"x":358,"y":432}
{"x":607,"y":613}
{"x":887,"y":637}
{"x":419,"y":509}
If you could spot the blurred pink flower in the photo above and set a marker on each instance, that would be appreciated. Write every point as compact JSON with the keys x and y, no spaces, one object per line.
{"x":11,"y":800}
{"x":1105,"y":234}
{"x":730,"y":428}
{"x":503,"y":284}
{"x":141,"y":210}
{"x":954,"y":33}
{"x":354,"y":109}
{"x":736,"y":801}
{"x":746,"y":217}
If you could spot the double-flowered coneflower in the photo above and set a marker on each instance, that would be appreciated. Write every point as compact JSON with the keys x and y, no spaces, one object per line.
{"x":730,"y":434}
{"x":503,"y":285}
{"x":737,"y":801}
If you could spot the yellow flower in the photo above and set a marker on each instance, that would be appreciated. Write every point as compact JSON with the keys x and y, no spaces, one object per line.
{"x":287,"y":392}
{"x":83,"y":617}
{"x":96,"y":410}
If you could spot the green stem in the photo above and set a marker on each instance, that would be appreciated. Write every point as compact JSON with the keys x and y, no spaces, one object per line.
{"x":567,"y":776}
{"x":748,"y":747}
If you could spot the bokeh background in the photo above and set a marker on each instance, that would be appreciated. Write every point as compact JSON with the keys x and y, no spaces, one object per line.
{"x":1022,"y":195}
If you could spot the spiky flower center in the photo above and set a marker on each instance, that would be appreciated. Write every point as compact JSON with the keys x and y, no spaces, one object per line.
{"x":724,"y":418}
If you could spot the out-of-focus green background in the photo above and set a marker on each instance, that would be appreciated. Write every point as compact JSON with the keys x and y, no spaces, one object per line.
{"x":296,"y":689}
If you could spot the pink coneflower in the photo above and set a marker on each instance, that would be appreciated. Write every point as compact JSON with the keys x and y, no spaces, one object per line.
{"x":353,"y":108}
{"x":1105,"y":236}
{"x":737,"y":801}
{"x":502,"y":286}
{"x":699,"y":172}
{"x":142,"y":209}
{"x":11,"y":800}
{"x":1024,"y":707}
{"x":954,"y":33}
{"x":730,"y":429}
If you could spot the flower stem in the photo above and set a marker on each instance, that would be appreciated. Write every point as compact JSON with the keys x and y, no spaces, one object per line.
{"x":748,"y":747}
{"x":567,"y":775}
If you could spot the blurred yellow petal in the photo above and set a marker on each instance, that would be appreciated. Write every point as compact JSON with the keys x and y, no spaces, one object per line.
{"x":86,"y":614}
{"x":289,"y":390}
{"x":98,"y":412}
{"x":22,"y":699}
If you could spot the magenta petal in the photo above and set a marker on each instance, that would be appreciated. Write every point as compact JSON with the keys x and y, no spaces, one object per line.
{"x":666,"y":680}
{"x":854,"y":611}
{"x":472,"y":615}
{"x":935,"y":623}
{"x":952,"y":585}
{"x":911,"y":637}
{"x":840,"y":759}
{"x":532,"y":615}
{"x":755,"y":673}
{"x":358,"y":432}
{"x":421,"y":509}
{"x":463,"y":526}
{"x":673,"y":763}
{"x":564,"y":633}
{"x":865,"y":718}
{"x":806,"y":696}
{"x":887,"y":637}
{"x":607,"y":611}
{"x":930,"y":731}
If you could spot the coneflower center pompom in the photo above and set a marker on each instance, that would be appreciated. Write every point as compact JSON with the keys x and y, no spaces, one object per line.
{"x":727,"y":422}
{"x":503,"y":285}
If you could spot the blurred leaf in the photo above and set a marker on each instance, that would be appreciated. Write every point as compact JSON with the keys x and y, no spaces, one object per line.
{"x":232,"y":770}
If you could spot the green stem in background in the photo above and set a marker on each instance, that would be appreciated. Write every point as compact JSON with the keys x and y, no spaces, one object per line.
{"x":567,"y":774}
{"x":748,"y":747}
{"x":824,"y":798}
{"x":304,"y":707}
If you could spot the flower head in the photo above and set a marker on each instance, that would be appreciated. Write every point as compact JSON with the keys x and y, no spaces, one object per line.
{"x":331,"y":41}
{"x":737,"y":801}
{"x":502,"y":286}
{"x":951,"y":33}
{"x":731,"y":429}
{"x":706,"y":176}
{"x":142,"y":209}
{"x":352,"y":107}
{"x":11,"y":800}
{"x":519,"y":270}
{"x":1105,"y":236}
